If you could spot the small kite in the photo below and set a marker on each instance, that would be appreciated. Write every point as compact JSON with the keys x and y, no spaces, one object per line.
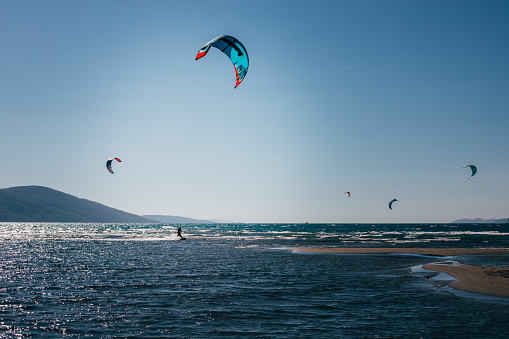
{"x":474,"y":170}
{"x":390,"y":204}
{"x":347,"y":193}
{"x":234,"y":49}
{"x":108,"y":164}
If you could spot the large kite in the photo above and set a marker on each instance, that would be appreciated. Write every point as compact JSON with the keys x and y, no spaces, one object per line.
{"x":347,"y":193}
{"x":108,"y":164}
{"x":474,"y":170}
{"x":234,"y":49}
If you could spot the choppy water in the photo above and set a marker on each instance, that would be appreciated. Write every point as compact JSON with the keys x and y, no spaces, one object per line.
{"x":113,"y":280}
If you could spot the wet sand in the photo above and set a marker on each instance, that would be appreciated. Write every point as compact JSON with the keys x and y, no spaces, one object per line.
{"x":387,"y":250}
{"x":489,"y":280}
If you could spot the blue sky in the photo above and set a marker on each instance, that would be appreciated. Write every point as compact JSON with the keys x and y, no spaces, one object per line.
{"x":385,"y":99}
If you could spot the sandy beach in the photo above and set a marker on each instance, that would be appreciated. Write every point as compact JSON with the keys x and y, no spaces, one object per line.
{"x":488,"y":280}
{"x":387,"y":250}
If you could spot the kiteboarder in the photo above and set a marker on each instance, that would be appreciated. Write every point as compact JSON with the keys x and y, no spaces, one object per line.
{"x":179,"y":232}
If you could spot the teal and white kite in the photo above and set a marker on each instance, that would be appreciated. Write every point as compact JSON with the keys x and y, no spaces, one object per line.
{"x":474,"y":170}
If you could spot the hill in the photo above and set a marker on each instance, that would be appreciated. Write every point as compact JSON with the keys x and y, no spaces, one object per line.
{"x":43,"y":204}
{"x":481,"y":221}
{"x":170,"y":219}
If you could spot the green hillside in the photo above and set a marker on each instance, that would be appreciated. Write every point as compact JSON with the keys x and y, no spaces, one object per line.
{"x":43,"y":204}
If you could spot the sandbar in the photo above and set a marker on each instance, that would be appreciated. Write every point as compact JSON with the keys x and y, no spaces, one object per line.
{"x":388,"y":250}
{"x":489,"y":280}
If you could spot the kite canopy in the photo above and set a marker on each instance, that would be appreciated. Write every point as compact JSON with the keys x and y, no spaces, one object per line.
{"x":390,"y":204}
{"x":108,"y":164}
{"x":347,"y":193}
{"x":474,"y":170}
{"x":234,"y":49}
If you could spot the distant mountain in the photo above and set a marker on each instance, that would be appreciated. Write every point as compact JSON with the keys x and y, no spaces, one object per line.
{"x":43,"y":204}
{"x":219,"y":221}
{"x":480,"y":221}
{"x":171,"y":219}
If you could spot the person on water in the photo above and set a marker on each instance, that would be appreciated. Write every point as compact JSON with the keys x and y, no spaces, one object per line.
{"x":179,"y":232}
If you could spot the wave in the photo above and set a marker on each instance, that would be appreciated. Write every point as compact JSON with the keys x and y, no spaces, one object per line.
{"x":331,"y":235}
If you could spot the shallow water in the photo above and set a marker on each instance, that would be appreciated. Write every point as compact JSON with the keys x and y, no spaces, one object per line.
{"x":112,"y":280}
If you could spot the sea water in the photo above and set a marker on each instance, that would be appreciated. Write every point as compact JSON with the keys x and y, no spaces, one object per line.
{"x":241,"y":280}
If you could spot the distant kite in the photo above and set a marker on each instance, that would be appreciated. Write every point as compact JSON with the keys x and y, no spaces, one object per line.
{"x":347,"y":193}
{"x":390,"y":204}
{"x":474,"y":170}
{"x":108,"y":164}
{"x":234,"y":49}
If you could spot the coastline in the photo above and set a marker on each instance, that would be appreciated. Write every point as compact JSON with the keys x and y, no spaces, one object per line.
{"x":388,"y":250}
{"x":488,"y":280}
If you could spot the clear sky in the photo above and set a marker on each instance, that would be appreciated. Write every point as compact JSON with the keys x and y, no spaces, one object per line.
{"x":385,"y":99}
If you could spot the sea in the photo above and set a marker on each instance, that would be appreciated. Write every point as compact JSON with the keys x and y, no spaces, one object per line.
{"x":82,"y":280}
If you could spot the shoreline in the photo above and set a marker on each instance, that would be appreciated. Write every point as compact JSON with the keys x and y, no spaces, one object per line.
{"x":445,"y":252}
{"x":487,"y":280}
